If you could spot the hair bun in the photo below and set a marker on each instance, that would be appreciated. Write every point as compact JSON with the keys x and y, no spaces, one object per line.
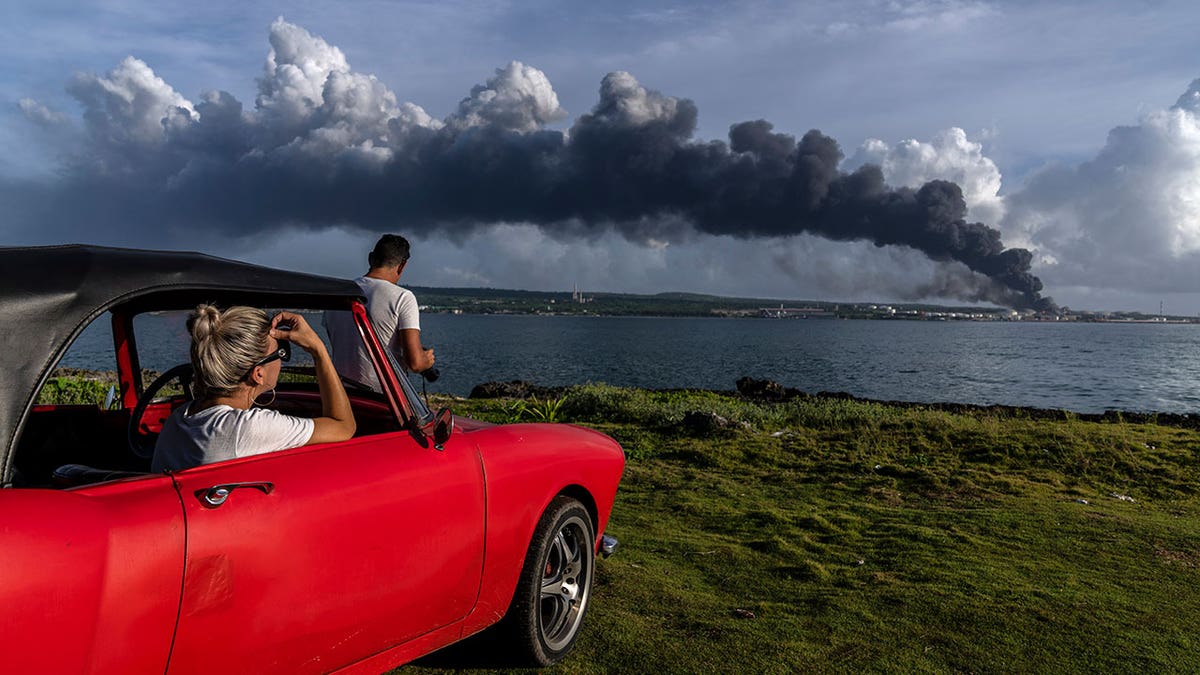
{"x":204,"y":322}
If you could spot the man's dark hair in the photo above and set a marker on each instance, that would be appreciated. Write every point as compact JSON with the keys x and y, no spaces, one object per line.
{"x":390,"y":251}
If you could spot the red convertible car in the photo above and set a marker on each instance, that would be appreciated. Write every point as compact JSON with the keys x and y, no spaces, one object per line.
{"x":348,"y":557}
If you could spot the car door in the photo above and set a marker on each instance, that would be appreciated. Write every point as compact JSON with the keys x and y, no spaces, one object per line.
{"x":318,"y":557}
{"x":90,"y":577}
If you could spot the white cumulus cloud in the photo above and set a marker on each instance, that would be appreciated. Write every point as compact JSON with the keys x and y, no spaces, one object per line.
{"x":949,"y":156}
{"x":128,"y":112}
{"x":518,"y":98}
{"x":1127,"y":219}
{"x":298,"y":65}
{"x":625,"y":101}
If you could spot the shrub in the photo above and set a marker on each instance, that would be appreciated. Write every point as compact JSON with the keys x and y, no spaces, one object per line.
{"x":73,"y":391}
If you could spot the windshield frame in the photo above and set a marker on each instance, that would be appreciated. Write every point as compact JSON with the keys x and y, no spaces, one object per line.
{"x":421,"y":412}
{"x":405,"y":401}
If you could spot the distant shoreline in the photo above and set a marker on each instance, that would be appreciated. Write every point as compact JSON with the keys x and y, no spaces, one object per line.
{"x":933,"y":317}
{"x":666,"y":305}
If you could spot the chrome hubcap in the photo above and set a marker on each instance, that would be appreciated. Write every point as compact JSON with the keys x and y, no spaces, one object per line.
{"x":566,"y":584}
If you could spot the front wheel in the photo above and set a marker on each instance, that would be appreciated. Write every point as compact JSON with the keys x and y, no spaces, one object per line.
{"x":556,"y":582}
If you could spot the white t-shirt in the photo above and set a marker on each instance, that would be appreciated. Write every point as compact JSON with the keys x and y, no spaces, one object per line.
{"x":222,"y":432}
{"x":392,"y":309}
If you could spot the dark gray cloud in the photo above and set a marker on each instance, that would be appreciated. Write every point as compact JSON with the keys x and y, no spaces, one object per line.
{"x":326,"y":146}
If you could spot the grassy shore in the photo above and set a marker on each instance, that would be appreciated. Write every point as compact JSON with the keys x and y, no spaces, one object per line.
{"x":828,"y":535}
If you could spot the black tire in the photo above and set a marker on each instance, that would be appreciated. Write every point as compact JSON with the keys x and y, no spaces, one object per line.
{"x":556,"y":583}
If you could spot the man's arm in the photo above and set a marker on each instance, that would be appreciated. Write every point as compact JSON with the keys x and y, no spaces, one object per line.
{"x":416,"y":358}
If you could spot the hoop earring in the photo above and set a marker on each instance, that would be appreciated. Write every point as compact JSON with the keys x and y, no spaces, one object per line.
{"x":263,"y":405}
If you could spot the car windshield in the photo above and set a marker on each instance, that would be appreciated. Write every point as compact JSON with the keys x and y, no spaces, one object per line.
{"x":163,"y":342}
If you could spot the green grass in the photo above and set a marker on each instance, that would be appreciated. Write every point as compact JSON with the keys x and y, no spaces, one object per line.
{"x":74,"y":391}
{"x":870,"y":538}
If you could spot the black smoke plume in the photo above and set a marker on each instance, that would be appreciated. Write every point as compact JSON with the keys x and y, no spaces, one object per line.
{"x":345,"y":154}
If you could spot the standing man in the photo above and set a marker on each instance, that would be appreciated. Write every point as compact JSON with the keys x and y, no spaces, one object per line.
{"x":392,"y":309}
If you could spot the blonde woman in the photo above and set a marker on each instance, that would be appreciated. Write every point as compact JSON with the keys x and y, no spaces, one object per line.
{"x":237,"y":355}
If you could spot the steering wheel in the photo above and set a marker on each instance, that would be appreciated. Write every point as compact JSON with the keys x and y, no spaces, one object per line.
{"x":141,"y":441}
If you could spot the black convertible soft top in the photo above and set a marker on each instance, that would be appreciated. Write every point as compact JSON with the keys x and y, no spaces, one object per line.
{"x":49,"y":294}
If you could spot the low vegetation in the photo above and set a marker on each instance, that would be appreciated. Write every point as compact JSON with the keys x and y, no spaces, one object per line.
{"x":827,"y":535}
{"x":74,"y":391}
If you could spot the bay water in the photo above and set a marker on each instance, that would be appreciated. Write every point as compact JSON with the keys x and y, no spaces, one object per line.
{"x":1084,"y":367}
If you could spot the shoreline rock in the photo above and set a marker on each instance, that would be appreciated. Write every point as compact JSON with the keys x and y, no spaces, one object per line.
{"x":769,"y":391}
{"x":514,"y":389}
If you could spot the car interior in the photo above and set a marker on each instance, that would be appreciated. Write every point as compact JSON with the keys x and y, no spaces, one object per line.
{"x":80,"y":435}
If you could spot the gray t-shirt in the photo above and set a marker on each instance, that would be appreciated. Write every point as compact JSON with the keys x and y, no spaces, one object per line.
{"x":392,"y":309}
{"x":222,"y":432}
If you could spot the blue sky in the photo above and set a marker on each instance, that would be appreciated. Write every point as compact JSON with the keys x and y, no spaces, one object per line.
{"x":1036,"y":89}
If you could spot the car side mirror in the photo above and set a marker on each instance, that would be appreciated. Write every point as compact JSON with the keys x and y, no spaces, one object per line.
{"x":443,"y":426}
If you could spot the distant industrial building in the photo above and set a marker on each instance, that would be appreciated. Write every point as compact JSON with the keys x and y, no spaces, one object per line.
{"x":782,"y":312}
{"x":577,"y":295}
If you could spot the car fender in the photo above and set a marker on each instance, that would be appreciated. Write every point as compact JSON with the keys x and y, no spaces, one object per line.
{"x":92,"y":577}
{"x":526,"y":466}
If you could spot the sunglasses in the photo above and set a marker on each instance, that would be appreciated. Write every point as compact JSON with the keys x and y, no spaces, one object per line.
{"x":283,"y":353}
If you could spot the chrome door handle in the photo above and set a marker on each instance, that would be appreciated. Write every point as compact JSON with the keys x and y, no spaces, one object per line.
{"x":216,"y":495}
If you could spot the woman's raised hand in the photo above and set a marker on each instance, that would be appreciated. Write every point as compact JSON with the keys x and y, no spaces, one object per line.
{"x":301,"y":334}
